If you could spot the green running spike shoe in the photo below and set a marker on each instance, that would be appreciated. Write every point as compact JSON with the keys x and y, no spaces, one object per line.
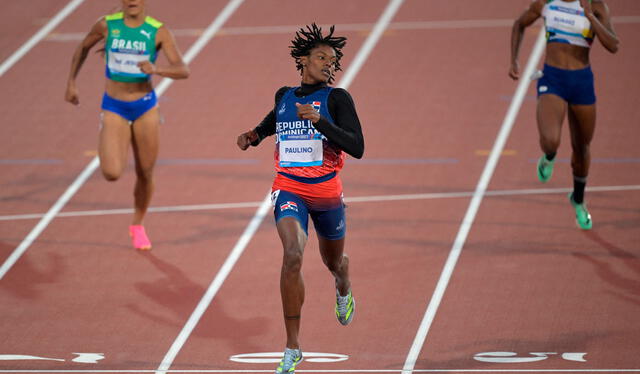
{"x":545,"y":169}
{"x":583,"y":218}
{"x":292,"y":357}
{"x":345,"y":308}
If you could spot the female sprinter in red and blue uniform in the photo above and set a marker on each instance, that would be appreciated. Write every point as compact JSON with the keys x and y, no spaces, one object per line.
{"x":315,"y":125}
{"x":129,"y":106}
{"x":566,"y":87}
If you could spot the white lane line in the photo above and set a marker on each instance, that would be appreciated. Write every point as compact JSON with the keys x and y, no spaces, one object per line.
{"x":95,"y":162}
{"x":48,"y":217}
{"x":46,"y":29}
{"x":288,"y":29}
{"x":206,"y":36}
{"x":372,"y":40}
{"x":344,"y":371}
{"x":494,"y":193}
{"x":160,"y":209}
{"x":206,"y":300}
{"x":215,"y":285}
{"x":470,"y":215}
{"x":352,"y":199}
{"x":272,"y":30}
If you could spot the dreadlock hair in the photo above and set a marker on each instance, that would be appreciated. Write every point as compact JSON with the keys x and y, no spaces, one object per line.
{"x":308,"y":39}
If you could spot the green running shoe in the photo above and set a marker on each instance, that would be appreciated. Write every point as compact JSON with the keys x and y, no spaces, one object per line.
{"x":345,"y":308}
{"x":545,"y":169}
{"x":292,"y":357}
{"x":583,"y":218}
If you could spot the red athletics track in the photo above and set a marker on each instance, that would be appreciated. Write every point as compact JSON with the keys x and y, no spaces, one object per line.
{"x":22,"y":25}
{"x":547,"y":288}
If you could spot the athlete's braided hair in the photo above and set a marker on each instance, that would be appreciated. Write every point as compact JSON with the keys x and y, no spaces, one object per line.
{"x":308,"y":39}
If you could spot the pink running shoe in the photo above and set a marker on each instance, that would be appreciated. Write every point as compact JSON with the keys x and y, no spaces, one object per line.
{"x":139,"y":236}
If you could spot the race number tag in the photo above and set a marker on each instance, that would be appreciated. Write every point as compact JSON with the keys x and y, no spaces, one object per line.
{"x":300,"y":150}
{"x":124,"y":63}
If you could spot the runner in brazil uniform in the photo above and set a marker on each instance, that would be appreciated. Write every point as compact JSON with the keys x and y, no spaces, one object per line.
{"x":314,"y":125}
{"x":129,"y":105}
{"x":566,"y":85}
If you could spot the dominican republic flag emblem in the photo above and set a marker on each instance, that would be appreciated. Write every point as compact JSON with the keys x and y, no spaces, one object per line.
{"x":289,"y":205}
{"x":316,"y":105}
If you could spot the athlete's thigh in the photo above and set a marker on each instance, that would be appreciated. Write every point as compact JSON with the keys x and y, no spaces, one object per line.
{"x":114,"y":139}
{"x":550,"y":113}
{"x":582,"y":123}
{"x":292,"y":235}
{"x":331,"y":229}
{"x":292,"y":219}
{"x":145,"y":139}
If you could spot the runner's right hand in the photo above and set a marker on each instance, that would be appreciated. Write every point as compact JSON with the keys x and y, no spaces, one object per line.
{"x":245,"y":139}
{"x":72,"y":95}
{"x":514,"y":72}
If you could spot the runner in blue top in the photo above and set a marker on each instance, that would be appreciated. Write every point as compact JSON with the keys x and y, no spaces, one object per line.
{"x":129,"y":106}
{"x":566,"y":87}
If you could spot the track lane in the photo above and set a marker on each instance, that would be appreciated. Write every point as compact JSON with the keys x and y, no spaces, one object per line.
{"x":71,"y":253}
{"x":534,"y":281}
{"x":367,"y":348}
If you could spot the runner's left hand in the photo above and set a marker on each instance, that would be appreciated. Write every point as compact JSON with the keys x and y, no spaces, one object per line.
{"x":586,"y":5}
{"x":147,"y":67}
{"x":306,"y":111}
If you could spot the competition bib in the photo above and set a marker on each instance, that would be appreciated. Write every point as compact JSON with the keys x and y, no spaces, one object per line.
{"x":124,"y":63}
{"x":300,"y":150}
{"x":566,"y":23}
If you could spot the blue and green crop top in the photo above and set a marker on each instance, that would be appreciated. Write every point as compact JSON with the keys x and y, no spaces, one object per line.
{"x":127,"y":46}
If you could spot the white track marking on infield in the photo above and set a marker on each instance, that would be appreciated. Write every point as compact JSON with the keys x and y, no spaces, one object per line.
{"x":41,"y":34}
{"x":351,"y":199}
{"x":95,"y":162}
{"x":470,"y":215}
{"x":255,"y":222}
{"x":488,"y":371}
{"x":363,"y":27}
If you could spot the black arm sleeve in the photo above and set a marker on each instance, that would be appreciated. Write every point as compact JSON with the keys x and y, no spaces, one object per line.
{"x":268,"y":125}
{"x":346,"y":133}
